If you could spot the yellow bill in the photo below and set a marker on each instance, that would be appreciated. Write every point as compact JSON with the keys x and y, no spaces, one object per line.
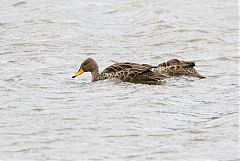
{"x":81,"y":71}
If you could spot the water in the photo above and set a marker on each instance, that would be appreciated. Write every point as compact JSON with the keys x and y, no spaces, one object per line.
{"x":46,"y":115}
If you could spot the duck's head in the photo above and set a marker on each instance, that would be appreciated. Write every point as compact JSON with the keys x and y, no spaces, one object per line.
{"x":88,"y":65}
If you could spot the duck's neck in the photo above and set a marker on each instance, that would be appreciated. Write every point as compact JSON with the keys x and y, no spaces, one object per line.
{"x":95,"y":75}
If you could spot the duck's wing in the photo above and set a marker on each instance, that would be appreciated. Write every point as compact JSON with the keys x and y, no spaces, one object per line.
{"x":117,"y":67}
{"x":131,"y":72}
{"x":140,"y":74}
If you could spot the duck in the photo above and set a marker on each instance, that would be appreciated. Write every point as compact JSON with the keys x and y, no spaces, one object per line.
{"x":125,"y":71}
{"x":176,"y":67}
{"x":139,"y":73}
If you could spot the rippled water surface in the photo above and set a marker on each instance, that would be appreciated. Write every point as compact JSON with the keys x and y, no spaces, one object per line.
{"x":46,"y":115}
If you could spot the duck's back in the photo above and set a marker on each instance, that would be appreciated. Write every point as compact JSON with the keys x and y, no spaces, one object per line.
{"x":122,"y":66}
{"x":175,"y":67}
{"x":130,"y":72}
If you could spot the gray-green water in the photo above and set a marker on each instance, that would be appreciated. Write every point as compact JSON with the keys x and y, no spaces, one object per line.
{"x":46,"y":115}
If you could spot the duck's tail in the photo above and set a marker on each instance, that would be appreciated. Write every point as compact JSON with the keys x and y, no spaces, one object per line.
{"x":199,"y":76}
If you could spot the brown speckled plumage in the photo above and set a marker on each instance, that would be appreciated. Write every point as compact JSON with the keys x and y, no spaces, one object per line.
{"x":131,"y":72}
{"x":175,"y":67}
{"x":139,"y":73}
